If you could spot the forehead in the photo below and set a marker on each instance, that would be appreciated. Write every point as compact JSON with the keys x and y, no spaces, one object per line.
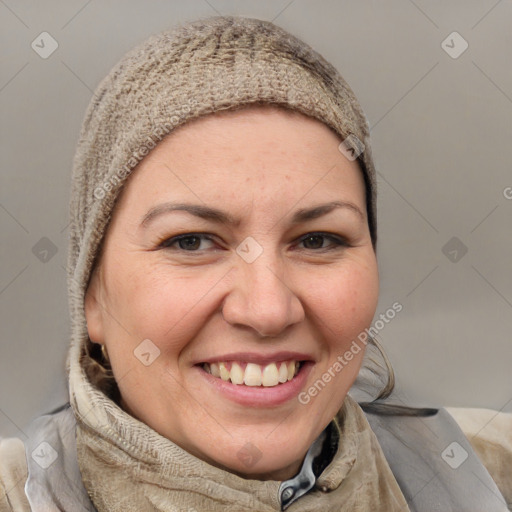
{"x":259,"y":130}
{"x":264,"y":153}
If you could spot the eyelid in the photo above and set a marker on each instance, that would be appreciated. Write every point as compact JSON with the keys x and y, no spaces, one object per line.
{"x":338,"y":240}
{"x":167,"y":242}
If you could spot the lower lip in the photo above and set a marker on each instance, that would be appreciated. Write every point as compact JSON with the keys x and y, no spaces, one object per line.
{"x":259,"y":396}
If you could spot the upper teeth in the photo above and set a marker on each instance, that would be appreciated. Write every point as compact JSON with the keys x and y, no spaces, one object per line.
{"x":254,"y":374}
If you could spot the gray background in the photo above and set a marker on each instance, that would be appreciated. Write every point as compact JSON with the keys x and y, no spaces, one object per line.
{"x":442,"y":140}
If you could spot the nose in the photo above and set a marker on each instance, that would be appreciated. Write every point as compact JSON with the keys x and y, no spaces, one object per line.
{"x":261,"y":299}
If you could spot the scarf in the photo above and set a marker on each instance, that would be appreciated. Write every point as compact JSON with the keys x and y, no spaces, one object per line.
{"x":128,"y":467}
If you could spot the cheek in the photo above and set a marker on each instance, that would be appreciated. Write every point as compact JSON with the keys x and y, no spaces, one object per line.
{"x":347,"y":302}
{"x":159,"y":305}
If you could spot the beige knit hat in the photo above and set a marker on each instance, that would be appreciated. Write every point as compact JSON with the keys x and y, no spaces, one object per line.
{"x":212,"y":64}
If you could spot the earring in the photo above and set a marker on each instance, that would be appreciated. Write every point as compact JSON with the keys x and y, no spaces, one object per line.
{"x":104,"y":353}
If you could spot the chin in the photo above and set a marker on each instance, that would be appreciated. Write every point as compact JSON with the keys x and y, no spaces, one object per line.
{"x":250,"y":464}
{"x":258,"y":457}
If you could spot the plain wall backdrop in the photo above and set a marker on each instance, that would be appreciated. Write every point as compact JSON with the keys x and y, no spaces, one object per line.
{"x":440,"y":117}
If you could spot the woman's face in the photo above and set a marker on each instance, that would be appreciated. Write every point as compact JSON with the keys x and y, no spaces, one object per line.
{"x":226,"y":258}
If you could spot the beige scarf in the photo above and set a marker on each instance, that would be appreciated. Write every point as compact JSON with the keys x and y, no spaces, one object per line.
{"x":126,"y":466}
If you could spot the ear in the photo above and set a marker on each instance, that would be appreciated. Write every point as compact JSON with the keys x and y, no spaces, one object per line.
{"x":93,"y":309}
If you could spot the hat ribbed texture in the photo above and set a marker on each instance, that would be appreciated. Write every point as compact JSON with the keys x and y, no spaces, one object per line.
{"x":198,"y":68}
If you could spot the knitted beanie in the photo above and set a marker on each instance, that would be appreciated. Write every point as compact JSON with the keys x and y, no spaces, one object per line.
{"x":218,"y":63}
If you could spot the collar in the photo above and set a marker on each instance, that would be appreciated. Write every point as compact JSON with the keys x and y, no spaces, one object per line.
{"x":318,"y":457}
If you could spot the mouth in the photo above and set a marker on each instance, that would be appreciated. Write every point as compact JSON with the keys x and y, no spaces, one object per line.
{"x":255,"y":380}
{"x":243,"y":373}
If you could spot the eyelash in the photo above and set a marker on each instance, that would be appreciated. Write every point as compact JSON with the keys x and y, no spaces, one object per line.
{"x":336,"y":240}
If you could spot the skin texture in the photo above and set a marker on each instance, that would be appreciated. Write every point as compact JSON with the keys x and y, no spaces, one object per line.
{"x":260,"y":165}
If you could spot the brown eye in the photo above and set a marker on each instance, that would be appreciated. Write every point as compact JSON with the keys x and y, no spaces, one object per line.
{"x":315,"y":241}
{"x":188,"y":242}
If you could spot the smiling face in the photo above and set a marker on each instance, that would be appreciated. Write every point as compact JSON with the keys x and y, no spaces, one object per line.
{"x":239,"y":255}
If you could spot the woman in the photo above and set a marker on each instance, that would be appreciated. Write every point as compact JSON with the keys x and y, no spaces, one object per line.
{"x":223,"y":280}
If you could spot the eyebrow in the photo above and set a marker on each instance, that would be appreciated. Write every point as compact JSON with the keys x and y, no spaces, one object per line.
{"x":221,"y":217}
